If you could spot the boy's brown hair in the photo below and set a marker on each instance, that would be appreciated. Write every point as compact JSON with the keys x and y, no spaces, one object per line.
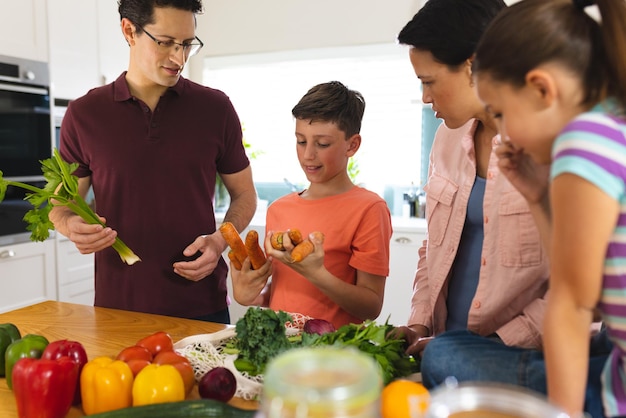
{"x":332,"y":102}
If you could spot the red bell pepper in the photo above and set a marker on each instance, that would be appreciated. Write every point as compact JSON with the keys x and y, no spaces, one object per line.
{"x":72,"y":349}
{"x":44,"y":388}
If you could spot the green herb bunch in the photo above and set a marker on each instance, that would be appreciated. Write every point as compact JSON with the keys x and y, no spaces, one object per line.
{"x":373,"y":339}
{"x":260,"y":337}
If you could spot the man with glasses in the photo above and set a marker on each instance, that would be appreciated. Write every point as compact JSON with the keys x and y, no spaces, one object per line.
{"x":151,"y":144}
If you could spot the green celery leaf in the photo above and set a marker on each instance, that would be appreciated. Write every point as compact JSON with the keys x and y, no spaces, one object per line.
{"x":36,"y":199}
{"x":38,"y":223}
{"x":54,"y":177}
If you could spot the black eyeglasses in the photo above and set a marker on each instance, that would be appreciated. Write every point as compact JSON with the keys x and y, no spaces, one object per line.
{"x":189,"y":48}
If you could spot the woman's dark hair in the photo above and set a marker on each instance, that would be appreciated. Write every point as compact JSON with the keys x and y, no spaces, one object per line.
{"x":535,"y":32}
{"x":332,"y":102}
{"x":450,"y":29}
{"x":141,"y":12}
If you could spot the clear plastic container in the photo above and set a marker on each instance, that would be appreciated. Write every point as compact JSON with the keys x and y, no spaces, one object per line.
{"x":489,"y":400}
{"x":324,"y":382}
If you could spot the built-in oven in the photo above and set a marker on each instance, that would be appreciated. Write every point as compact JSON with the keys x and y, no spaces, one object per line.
{"x":26,"y":130}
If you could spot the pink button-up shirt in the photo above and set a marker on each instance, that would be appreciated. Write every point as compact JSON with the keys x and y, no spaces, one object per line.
{"x":514,"y":268}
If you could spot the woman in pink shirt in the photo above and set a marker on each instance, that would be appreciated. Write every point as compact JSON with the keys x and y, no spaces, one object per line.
{"x":482,"y":274}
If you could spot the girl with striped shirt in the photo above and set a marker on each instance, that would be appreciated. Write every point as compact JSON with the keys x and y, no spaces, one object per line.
{"x":553,"y":74}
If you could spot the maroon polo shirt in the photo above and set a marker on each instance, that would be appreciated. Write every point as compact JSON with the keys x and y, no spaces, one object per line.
{"x":153,"y":176}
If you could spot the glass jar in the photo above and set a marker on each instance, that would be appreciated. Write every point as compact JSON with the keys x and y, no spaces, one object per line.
{"x":489,"y":400}
{"x":322,"y":382}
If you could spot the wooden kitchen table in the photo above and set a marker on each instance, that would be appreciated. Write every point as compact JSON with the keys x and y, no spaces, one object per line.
{"x":102,"y":331}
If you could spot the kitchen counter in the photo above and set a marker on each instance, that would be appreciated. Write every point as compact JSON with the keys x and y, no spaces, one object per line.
{"x":405,"y":224}
{"x":103,"y":332}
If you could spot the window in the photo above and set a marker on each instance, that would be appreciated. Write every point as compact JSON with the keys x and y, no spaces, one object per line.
{"x":265,"y":87}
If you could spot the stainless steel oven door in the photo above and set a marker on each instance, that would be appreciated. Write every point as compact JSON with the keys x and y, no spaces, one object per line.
{"x":25,"y":130}
{"x":25,"y":138}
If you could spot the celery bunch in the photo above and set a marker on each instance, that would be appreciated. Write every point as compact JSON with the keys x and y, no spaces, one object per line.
{"x":61,"y":189}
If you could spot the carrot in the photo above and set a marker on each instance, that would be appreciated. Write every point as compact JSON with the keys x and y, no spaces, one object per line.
{"x":230,"y":234}
{"x":233,"y":259}
{"x":277,"y":240}
{"x":305,"y":248}
{"x":295,"y":236}
{"x":302,"y":250}
{"x":255,"y":253}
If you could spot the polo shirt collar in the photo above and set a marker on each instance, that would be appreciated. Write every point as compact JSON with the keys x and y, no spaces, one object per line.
{"x":121,"y":92}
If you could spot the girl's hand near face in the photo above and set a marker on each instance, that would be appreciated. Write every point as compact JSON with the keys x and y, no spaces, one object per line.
{"x":529,"y":178}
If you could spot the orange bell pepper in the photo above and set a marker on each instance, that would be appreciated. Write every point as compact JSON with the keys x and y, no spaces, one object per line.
{"x":105,"y":385}
{"x":158,"y":383}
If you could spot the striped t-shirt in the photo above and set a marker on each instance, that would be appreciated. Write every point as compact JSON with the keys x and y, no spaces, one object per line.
{"x":593,"y":146}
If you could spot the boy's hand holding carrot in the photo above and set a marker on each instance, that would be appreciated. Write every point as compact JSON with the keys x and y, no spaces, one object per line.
{"x":250,"y":270}
{"x":278,"y":238}
{"x":249,"y":286}
{"x":292,"y":243}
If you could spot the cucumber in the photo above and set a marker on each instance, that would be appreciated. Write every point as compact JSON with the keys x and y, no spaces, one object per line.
{"x":197,"y":408}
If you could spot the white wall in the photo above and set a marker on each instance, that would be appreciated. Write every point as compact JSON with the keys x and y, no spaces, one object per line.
{"x":232,"y":27}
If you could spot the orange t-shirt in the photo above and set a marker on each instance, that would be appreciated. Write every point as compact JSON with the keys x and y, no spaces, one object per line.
{"x":357,"y":230}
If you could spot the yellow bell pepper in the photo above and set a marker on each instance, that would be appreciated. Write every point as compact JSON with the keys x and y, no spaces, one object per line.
{"x":158,"y":383}
{"x":106,"y":384}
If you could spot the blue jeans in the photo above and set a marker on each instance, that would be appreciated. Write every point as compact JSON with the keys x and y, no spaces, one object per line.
{"x":470,"y":357}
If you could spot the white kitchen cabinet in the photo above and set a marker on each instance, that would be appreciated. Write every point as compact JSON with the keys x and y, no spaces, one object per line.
{"x":24,"y":29}
{"x":89,"y":52}
{"x":75,"y":273}
{"x":113,"y":50}
{"x":74,"y":47}
{"x":27,"y":274}
{"x":405,"y":242}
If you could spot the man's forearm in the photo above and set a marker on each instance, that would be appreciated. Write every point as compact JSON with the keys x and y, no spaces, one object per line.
{"x":241,"y":210}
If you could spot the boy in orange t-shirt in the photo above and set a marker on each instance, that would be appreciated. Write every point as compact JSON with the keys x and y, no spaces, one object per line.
{"x":343,"y":279}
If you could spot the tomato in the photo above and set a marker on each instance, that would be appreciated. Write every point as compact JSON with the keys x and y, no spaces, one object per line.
{"x":181,"y":363}
{"x":157,"y":342}
{"x":135,"y":353}
{"x":136,"y":365}
{"x":169,"y":357}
